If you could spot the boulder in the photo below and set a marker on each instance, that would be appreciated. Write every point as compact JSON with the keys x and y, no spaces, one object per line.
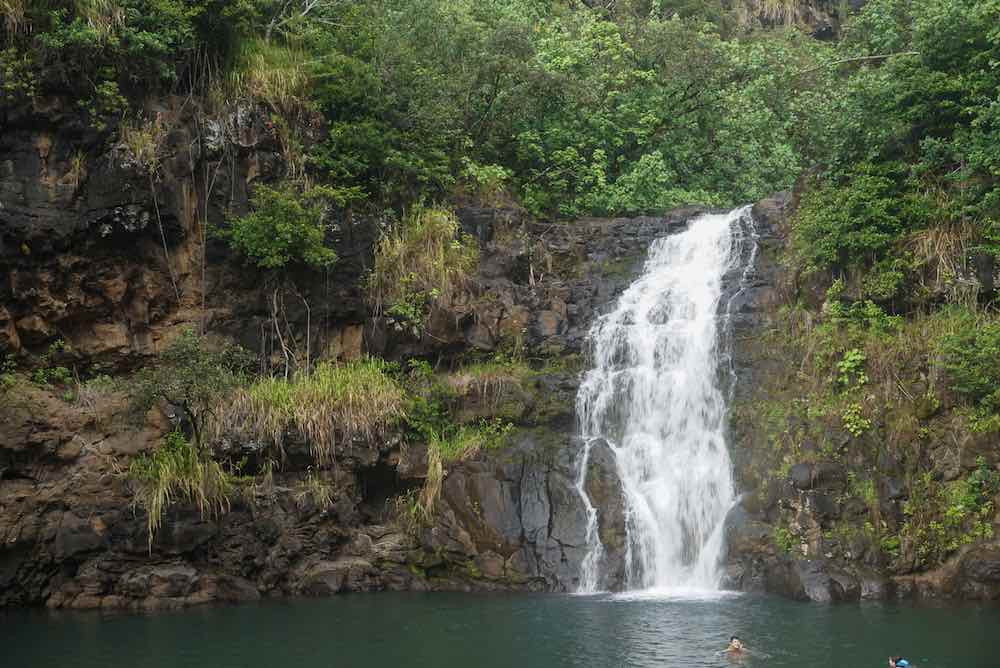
{"x":326,"y":578}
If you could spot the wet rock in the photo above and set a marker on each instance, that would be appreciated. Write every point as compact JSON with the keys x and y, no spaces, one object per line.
{"x":824,"y":586}
{"x":829,"y":475}
{"x":548,"y":324}
{"x":76,"y":536}
{"x":893,"y":489}
{"x":326,"y":578}
{"x":801,"y":476}
{"x":979,"y":573}
{"x":604,"y":489}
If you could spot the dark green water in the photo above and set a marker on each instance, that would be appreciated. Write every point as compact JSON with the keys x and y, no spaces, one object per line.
{"x":519,"y":631}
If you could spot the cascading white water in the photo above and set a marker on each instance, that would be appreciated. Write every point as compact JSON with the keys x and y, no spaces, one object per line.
{"x":653,"y":394}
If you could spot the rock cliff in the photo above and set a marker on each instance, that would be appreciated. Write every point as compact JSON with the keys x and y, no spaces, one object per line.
{"x":103,"y":263}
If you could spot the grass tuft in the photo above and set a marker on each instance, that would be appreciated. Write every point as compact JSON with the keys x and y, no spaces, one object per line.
{"x":426,"y":258}
{"x":276,"y":73}
{"x":335,"y":402}
{"x":176,"y":472}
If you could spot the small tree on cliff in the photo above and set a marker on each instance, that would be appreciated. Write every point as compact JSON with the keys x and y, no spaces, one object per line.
{"x":192,"y":376}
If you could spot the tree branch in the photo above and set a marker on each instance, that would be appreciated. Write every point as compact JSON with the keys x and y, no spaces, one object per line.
{"x":855,"y":60}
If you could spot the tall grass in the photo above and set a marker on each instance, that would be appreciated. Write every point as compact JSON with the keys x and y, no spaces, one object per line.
{"x":940,"y":252}
{"x":335,"y":402}
{"x":427,"y":254}
{"x":177,"y":472}
{"x":14,"y":16}
{"x":492,"y":381}
{"x":277,"y":74}
{"x":314,"y":490}
{"x":104,"y":16}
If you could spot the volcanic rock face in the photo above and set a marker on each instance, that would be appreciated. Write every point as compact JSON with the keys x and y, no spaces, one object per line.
{"x":114,"y":263}
{"x":801,"y":529}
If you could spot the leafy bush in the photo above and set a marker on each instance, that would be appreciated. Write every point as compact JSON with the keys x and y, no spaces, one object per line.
{"x":854,"y":420}
{"x":335,"y":402}
{"x":193,"y":376}
{"x":287,"y":226}
{"x":8,"y":368}
{"x":853,"y":223}
{"x":784,"y":539}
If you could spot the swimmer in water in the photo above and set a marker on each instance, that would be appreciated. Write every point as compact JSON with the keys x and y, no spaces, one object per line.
{"x":735,"y":647}
{"x":898,"y":662}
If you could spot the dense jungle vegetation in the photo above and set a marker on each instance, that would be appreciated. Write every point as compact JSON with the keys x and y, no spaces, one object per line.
{"x":888,"y":126}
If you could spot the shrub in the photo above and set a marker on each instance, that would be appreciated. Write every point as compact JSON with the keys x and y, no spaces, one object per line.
{"x":192,"y":376}
{"x":8,"y":369}
{"x":176,"y":472}
{"x":425,"y":258}
{"x":784,"y":539}
{"x":287,"y":226}
{"x":849,"y":223}
{"x":970,"y":355}
{"x":854,"y":420}
{"x":355,"y":400}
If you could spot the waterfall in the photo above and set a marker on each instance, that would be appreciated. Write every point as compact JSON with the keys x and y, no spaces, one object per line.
{"x":654,"y":396}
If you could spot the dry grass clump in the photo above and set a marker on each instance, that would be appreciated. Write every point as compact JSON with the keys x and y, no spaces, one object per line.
{"x":941,"y":251}
{"x":426,"y":255}
{"x":314,"y":490}
{"x":14,"y":16}
{"x":788,"y":12}
{"x":355,"y":400}
{"x":141,"y":143}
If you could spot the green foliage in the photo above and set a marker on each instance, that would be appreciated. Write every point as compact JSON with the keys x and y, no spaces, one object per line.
{"x":574,"y":109}
{"x":193,"y":376}
{"x":425,"y":258}
{"x":855,"y":421}
{"x":852,"y":223}
{"x":48,"y":373}
{"x":784,"y":539}
{"x":288,"y":226}
{"x":456,"y":442}
{"x":8,"y":369}
{"x":177,"y":472}
{"x":97,"y":51}
{"x":851,"y":369}
{"x":941,"y":518}
{"x":333,"y":403}
{"x":913,"y":139}
{"x":970,"y":354}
